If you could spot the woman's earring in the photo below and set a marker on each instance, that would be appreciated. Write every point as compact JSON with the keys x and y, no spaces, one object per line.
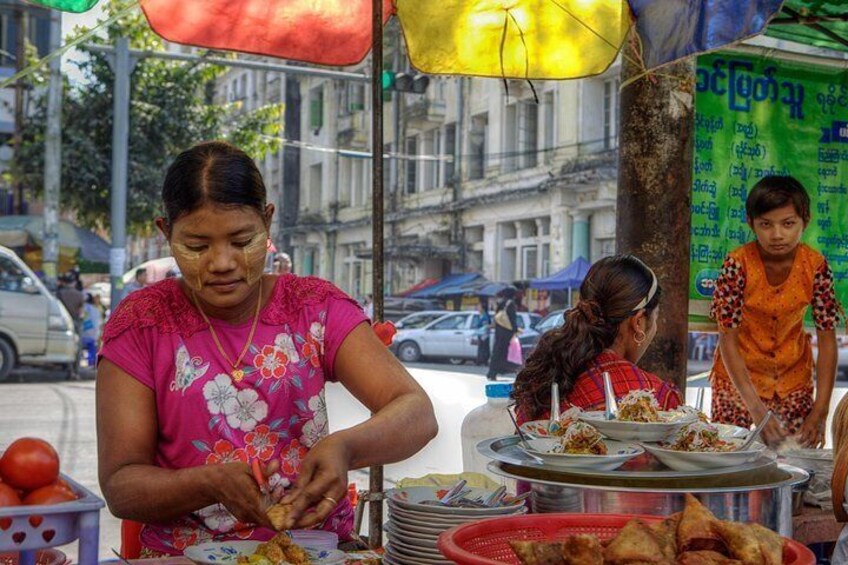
{"x":640,"y":337}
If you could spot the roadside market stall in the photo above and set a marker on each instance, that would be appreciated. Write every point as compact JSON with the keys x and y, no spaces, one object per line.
{"x":507,"y":41}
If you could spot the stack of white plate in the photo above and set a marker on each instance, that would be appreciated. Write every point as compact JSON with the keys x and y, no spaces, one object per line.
{"x":414,"y":527}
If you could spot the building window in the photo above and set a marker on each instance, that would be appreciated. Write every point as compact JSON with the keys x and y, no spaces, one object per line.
{"x":316,"y":182}
{"x":449,"y":152}
{"x":309,"y":265}
{"x":357,"y":97}
{"x":411,"y":165}
{"x":316,"y":109}
{"x":477,"y":146}
{"x":529,"y":262}
{"x":611,"y":113}
{"x":429,"y":166}
{"x":521,"y":136}
{"x":549,"y":120}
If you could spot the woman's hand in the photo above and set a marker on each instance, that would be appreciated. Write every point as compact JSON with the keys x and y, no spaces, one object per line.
{"x":320,"y":485}
{"x":774,"y":433}
{"x":812,"y":431}
{"x":234,"y":486}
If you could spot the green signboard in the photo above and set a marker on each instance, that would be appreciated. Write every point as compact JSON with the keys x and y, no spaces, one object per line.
{"x":758,"y":116}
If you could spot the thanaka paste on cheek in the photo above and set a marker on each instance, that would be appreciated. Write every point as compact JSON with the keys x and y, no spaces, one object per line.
{"x":189,"y":262}
{"x":254,"y":256}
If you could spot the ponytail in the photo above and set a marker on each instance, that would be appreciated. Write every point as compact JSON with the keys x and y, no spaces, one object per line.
{"x":614,"y":289}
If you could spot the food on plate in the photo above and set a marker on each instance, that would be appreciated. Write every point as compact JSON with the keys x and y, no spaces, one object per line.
{"x":581,"y":439}
{"x":29,"y":463}
{"x":278,"y":514}
{"x":567,"y":418}
{"x":639,"y":406}
{"x":278,"y":550}
{"x":684,"y":412}
{"x":699,"y":436}
{"x":691,"y":537}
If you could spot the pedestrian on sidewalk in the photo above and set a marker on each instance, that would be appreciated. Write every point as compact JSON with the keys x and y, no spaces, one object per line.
{"x":484,"y":329}
{"x":205,"y":377}
{"x":765,"y":359}
{"x":506,"y":327}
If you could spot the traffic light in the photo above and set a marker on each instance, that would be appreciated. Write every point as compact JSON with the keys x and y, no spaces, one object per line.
{"x":405,"y":82}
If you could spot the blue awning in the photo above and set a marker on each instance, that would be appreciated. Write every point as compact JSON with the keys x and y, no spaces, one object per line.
{"x":570,"y":277}
{"x":432,"y":291}
{"x":480,"y":286}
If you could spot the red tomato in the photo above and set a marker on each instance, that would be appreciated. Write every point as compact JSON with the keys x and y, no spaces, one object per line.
{"x":29,"y":463}
{"x":51,"y":494}
{"x":60,"y":482}
{"x":8,"y":496}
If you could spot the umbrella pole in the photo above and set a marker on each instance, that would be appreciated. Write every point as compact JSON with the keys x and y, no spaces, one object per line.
{"x":375,"y":507}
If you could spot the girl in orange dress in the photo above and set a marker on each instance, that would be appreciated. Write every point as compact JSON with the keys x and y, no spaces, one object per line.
{"x":764,"y":360}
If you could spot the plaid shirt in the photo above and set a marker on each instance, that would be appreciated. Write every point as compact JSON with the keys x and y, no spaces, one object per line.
{"x":588,"y":391}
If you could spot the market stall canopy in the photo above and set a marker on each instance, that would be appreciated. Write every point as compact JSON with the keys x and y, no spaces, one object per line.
{"x":432,"y":291}
{"x":570,"y":277}
{"x":20,"y":231}
{"x":418,"y":286}
{"x":814,"y":22}
{"x":476,"y":287}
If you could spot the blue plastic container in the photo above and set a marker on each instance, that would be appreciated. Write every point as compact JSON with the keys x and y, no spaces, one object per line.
{"x":29,"y":528}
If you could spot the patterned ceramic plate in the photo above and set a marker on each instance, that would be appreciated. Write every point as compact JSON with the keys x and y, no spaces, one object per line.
{"x":214,"y":553}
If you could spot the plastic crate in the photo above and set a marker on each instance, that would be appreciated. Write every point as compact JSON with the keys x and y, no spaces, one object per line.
{"x":486,"y":542}
{"x":26,"y":529}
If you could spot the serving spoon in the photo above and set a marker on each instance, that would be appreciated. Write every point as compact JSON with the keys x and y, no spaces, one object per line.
{"x":752,"y":437}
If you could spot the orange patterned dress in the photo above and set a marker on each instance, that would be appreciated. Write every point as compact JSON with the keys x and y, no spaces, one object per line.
{"x":772,"y":340}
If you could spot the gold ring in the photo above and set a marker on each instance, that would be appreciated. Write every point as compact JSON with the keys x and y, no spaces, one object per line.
{"x":331,"y":499}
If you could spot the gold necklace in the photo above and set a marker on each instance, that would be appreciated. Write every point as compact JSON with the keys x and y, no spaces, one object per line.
{"x":237,"y":373}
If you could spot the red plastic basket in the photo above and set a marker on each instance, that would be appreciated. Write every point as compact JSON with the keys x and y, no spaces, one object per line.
{"x":486,"y":542}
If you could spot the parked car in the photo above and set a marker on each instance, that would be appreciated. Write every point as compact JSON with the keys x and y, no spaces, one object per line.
{"x":530,"y":339}
{"x":419,"y":319}
{"x":396,"y":308}
{"x":35,"y":329}
{"x":451,"y":336}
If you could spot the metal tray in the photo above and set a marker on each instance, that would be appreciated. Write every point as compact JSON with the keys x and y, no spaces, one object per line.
{"x":768,"y":477}
{"x":505,"y":450}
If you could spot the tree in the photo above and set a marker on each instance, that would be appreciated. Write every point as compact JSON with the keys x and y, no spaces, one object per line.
{"x":171,"y":108}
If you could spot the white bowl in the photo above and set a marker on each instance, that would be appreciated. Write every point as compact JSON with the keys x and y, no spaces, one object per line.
{"x":637,"y":431}
{"x":703,"y":460}
{"x":618,"y":453}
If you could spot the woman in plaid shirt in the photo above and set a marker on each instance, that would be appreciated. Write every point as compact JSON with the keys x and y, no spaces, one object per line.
{"x":611,"y":327}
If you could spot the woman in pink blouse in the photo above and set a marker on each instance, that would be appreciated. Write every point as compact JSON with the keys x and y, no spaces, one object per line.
{"x":203,"y":375}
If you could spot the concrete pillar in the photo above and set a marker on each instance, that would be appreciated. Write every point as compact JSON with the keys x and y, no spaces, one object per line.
{"x":580,"y":235}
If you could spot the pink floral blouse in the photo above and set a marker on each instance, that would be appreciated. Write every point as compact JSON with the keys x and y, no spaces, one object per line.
{"x":277,"y":411}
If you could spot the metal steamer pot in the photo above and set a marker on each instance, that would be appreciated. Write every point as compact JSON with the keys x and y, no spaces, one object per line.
{"x":762,"y":495}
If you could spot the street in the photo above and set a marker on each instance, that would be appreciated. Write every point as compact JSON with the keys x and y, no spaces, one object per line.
{"x":42,"y":403}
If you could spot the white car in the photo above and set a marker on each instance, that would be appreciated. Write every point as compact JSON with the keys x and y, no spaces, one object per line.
{"x":451,"y":336}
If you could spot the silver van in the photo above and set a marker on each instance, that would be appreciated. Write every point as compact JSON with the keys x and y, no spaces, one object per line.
{"x":35,"y":328}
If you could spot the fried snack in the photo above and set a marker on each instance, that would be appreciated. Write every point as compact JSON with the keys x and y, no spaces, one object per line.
{"x":538,"y":552}
{"x":638,"y":406}
{"x":771,"y":544}
{"x":582,"y":549}
{"x":697,"y":529}
{"x":581,"y":439}
{"x":752,"y":544}
{"x":636,"y":544}
{"x":279,"y":515}
{"x":277,"y":550}
{"x":666,"y":534}
{"x":705,"y":558}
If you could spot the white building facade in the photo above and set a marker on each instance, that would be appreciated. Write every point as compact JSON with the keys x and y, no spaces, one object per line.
{"x":479,"y":176}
